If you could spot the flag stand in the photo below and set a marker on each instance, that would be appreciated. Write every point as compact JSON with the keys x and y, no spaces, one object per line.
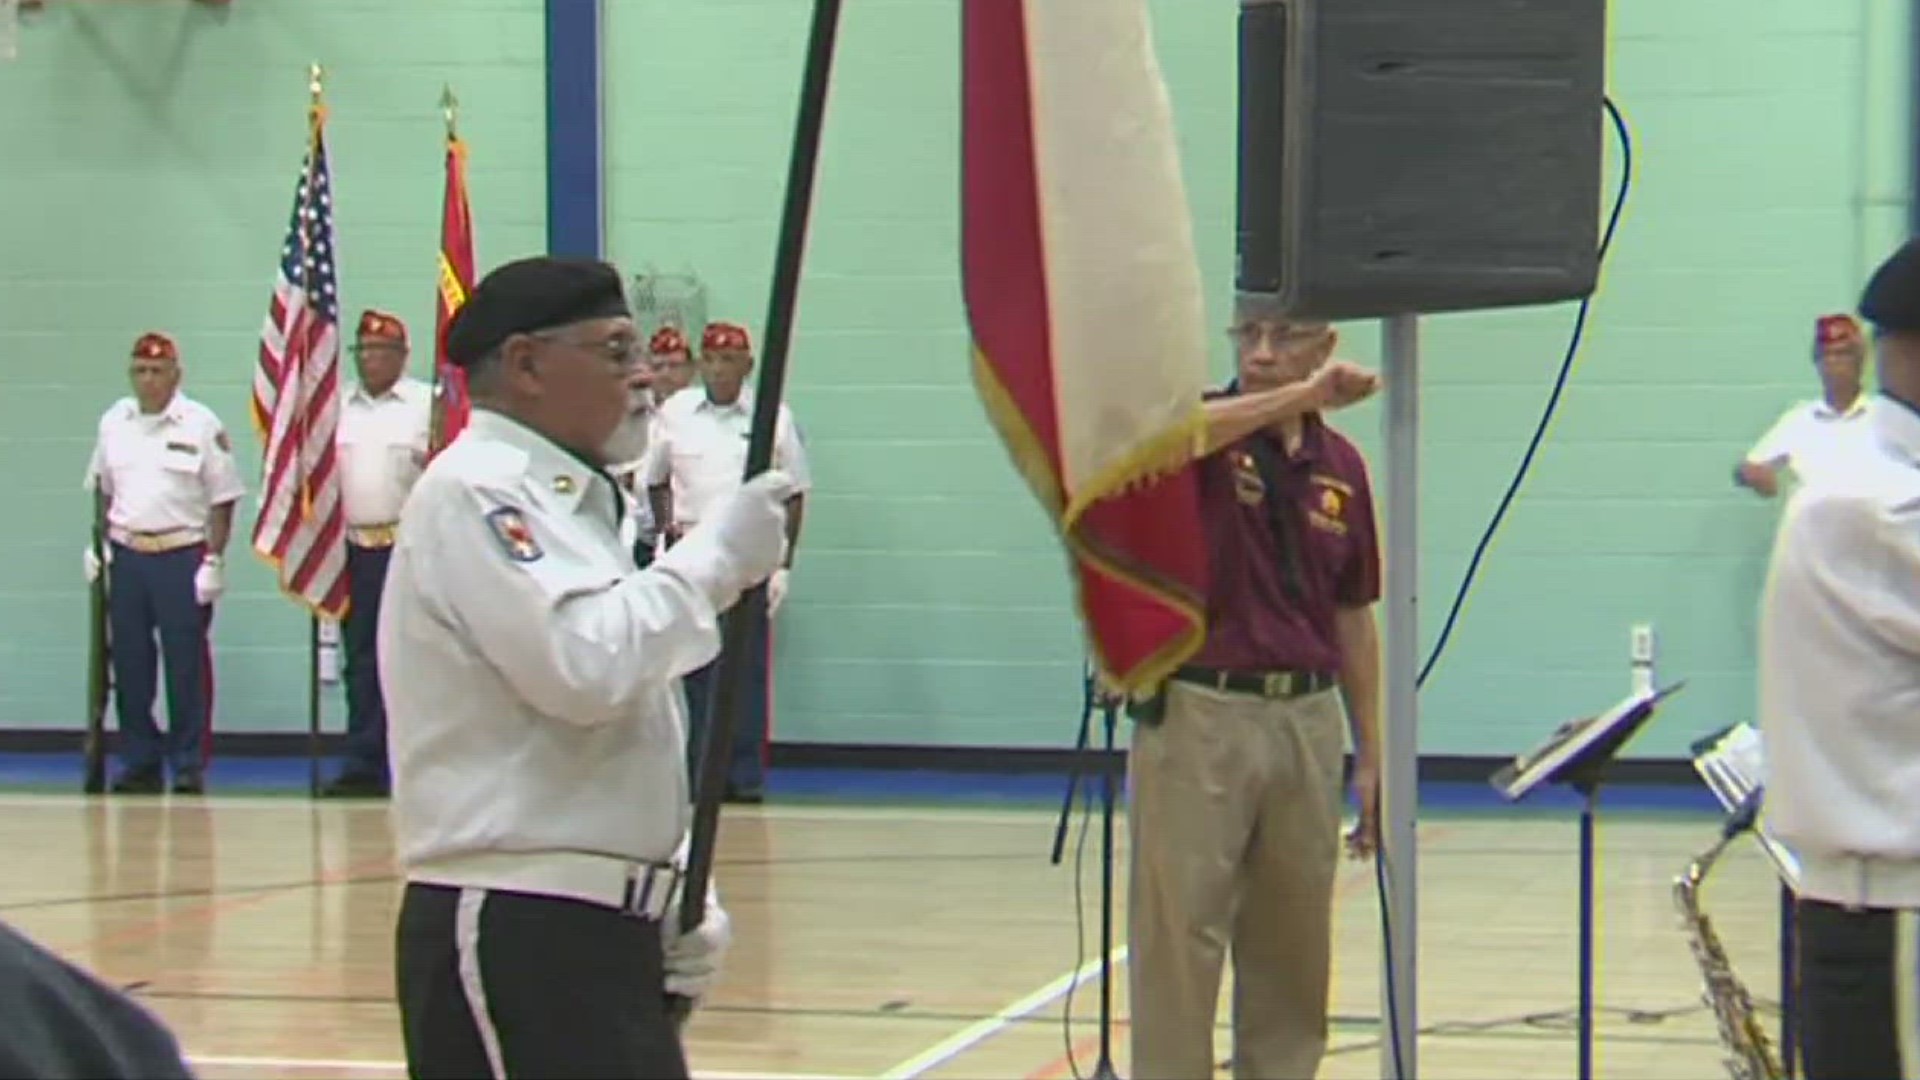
{"x":313,"y":706}
{"x":1110,"y":714}
{"x":750,"y":613}
{"x":1399,"y":751}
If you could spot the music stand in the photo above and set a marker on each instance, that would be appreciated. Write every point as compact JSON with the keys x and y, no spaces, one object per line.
{"x":1109,"y":709}
{"x":1732,"y":762}
{"x":1576,"y":755}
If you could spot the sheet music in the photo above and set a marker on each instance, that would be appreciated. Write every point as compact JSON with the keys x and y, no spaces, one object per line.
{"x":1734,"y":765}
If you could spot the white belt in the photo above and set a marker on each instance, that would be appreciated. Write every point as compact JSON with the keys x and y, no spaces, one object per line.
{"x":641,"y":889}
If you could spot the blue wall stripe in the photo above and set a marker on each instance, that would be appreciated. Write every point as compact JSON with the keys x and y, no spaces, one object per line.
{"x":574,"y":203}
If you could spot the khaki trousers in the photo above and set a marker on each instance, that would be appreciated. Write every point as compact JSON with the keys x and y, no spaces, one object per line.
{"x":1234,"y":814}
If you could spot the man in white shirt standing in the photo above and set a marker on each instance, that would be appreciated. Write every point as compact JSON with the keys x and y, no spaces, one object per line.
{"x":385,"y":424}
{"x":1839,"y":697}
{"x":1814,"y":437}
{"x":540,"y":802}
{"x":164,"y":465}
{"x":696,"y":462}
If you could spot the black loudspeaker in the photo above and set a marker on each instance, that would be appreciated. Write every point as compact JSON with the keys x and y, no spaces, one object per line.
{"x":1418,"y":156}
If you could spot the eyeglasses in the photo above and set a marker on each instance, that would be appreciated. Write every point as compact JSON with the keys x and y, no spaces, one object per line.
{"x":620,"y":350}
{"x":1250,"y":335}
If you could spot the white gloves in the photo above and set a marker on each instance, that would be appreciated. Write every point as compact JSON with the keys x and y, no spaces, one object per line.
{"x":209,"y":581}
{"x":693,"y":960}
{"x":91,"y":563}
{"x":739,"y":545}
{"x":776,"y":590}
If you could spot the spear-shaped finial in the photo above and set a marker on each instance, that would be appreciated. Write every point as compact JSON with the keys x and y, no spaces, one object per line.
{"x":450,"y":109}
{"x":314,"y":78}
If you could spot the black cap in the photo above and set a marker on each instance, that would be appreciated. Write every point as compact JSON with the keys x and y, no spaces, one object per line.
{"x":1891,"y":300}
{"x":533,"y":294}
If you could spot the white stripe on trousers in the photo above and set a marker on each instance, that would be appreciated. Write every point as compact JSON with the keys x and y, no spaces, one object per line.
{"x":1906,"y":990}
{"x":466,"y":943}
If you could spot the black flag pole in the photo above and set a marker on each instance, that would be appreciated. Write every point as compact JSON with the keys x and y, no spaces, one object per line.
{"x":750,"y":613}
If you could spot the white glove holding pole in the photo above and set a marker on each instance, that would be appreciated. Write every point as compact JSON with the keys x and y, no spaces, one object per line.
{"x":740,"y":545}
{"x":693,"y":958}
{"x":92,"y":564}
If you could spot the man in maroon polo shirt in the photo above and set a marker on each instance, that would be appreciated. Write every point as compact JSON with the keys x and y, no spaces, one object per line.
{"x":1235,"y":770}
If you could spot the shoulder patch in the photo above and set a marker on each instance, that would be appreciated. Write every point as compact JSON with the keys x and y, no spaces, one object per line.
{"x":515,"y":536}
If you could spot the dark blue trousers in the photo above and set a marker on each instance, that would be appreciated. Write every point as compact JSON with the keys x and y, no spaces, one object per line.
{"x":366,"y":708}
{"x":746,"y":769}
{"x":150,"y":596}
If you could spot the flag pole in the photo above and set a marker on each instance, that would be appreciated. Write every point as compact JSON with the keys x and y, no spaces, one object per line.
{"x":437,"y":419}
{"x":315,"y":112}
{"x":750,"y":613}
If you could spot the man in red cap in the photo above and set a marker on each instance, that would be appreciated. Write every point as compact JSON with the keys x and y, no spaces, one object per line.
{"x":672,"y":360}
{"x":164,"y":466}
{"x":385,"y":425}
{"x":1814,"y":436}
{"x":668,"y":370}
{"x":696,"y":461}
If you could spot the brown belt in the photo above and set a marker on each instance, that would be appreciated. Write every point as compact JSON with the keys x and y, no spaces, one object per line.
{"x":1266,"y":684}
{"x":371,"y":536}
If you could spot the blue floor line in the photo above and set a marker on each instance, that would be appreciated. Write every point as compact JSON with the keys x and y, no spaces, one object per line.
{"x":288,"y":776}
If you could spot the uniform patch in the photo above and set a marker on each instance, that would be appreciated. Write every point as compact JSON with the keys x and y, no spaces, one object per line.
{"x":516,"y":537}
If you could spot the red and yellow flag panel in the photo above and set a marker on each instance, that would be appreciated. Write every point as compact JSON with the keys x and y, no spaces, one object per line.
{"x":451,"y":405}
{"x":1084,"y":297}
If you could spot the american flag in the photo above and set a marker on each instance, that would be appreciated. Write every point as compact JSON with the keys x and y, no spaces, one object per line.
{"x":296,"y":403}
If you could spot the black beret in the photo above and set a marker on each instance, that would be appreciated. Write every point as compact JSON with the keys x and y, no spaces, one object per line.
{"x":1891,"y":300}
{"x":529,"y":295}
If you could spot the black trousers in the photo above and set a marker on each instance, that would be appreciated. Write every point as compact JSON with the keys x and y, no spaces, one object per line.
{"x":496,"y":984}
{"x":1858,"y":1010}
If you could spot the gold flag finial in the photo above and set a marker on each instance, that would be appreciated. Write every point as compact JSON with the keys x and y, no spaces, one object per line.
{"x":314,"y":78}
{"x":449,"y":108}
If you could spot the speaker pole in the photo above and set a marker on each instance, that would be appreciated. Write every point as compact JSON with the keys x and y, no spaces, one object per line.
{"x":1399,"y":752}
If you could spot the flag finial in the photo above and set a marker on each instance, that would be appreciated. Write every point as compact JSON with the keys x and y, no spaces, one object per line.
{"x":450,"y":109}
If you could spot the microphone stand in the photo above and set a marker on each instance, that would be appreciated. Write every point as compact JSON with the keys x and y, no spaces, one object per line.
{"x":1110,"y":715}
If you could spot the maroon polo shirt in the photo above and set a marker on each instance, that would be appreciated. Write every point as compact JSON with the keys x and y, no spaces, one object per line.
{"x":1252,"y":623}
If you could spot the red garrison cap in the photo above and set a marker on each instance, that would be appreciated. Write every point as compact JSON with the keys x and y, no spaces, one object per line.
{"x":385,"y":327}
{"x":666,"y":341}
{"x":726,"y":337}
{"x":154,"y":345}
{"x":1831,"y":330}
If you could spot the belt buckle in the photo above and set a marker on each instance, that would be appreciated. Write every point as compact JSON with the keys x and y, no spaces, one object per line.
{"x":646,"y":898}
{"x":1277,"y":684}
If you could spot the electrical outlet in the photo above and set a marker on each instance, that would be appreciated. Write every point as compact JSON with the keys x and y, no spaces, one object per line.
{"x":1640,"y":644}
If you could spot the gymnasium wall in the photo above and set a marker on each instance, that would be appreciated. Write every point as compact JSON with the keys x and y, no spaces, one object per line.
{"x":929,"y":604}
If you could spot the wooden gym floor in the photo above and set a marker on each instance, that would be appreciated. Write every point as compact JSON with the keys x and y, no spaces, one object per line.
{"x":875,"y":941}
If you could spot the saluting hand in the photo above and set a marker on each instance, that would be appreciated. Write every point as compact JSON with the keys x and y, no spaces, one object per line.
{"x":1340,"y":383}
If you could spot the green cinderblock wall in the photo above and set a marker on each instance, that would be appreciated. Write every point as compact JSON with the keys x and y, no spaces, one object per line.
{"x":149,"y":159}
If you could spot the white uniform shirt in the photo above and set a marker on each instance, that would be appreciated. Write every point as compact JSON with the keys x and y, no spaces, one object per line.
{"x":166,"y":471}
{"x":539,"y":710}
{"x":383,"y":447}
{"x":701,"y":448}
{"x":1812,"y":438}
{"x":1840,"y":675}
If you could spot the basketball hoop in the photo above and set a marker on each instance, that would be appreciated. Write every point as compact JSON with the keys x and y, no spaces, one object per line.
{"x":9,"y":29}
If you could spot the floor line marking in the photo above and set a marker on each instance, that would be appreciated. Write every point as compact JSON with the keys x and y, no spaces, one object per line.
{"x":981,"y":1030}
{"x":365,"y":1065}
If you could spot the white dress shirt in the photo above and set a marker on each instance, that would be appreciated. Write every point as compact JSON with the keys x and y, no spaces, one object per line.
{"x":701,"y":449}
{"x":165,"y":471}
{"x":383,"y":446}
{"x":1813,"y":439}
{"x":1839,"y":674}
{"x":539,"y":711}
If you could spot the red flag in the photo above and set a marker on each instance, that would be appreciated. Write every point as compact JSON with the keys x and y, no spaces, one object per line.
{"x":301,"y":529}
{"x":1084,"y":296}
{"x":451,"y":404}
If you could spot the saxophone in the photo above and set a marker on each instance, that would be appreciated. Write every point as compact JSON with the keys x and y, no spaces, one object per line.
{"x":1751,"y":1054}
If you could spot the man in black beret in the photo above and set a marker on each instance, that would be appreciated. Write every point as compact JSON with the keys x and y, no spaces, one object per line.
{"x":540,"y":803}
{"x":1839,"y":696}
